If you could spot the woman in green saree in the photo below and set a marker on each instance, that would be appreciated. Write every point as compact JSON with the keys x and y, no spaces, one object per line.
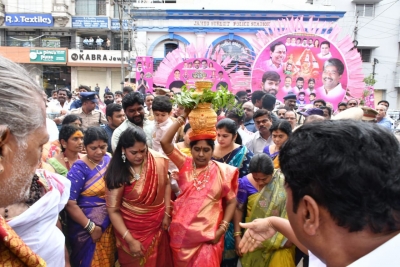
{"x":262,"y":194}
{"x":71,"y":140}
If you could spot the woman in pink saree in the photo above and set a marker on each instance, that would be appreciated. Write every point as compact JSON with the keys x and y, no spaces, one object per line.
{"x":203,"y":210}
{"x":138,"y":202}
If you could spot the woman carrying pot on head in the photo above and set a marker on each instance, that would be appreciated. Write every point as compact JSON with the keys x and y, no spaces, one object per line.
{"x":202,"y":212}
{"x":138,"y":202}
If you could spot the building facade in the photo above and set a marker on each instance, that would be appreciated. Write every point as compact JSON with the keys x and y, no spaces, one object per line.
{"x":156,"y":27}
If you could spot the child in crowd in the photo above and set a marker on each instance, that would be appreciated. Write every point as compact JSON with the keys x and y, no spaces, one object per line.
{"x":162,"y":108}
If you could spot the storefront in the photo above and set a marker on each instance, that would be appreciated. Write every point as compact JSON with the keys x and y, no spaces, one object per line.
{"x":102,"y":67}
{"x":47,"y":66}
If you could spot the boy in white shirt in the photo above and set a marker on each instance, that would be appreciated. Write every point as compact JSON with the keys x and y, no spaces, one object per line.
{"x":162,"y":108}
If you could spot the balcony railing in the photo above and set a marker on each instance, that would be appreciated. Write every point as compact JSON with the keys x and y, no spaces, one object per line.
{"x":65,"y":44}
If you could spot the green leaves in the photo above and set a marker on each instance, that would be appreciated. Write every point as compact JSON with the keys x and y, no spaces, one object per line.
{"x":222,"y":98}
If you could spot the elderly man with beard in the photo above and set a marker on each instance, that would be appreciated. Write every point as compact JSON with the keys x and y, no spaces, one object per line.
{"x":30,"y":199}
{"x":262,"y":137}
{"x":133,"y":105}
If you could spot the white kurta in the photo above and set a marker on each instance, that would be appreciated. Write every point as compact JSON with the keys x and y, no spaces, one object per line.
{"x":37,"y":225}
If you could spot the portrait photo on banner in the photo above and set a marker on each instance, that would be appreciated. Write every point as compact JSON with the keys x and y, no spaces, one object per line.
{"x":196,"y":69}
{"x":144,"y":74}
{"x":301,"y":64}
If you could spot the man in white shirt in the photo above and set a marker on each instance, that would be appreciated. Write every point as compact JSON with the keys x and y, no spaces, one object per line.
{"x":332,"y":90}
{"x":277,"y":57}
{"x":386,"y":104}
{"x":133,"y":105}
{"x":261,"y":138}
{"x":343,"y":201}
{"x":59,"y":105}
{"x":325,"y":52}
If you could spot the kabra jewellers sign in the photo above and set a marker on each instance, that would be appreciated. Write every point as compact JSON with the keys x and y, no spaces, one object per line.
{"x":99,"y":56}
{"x":94,"y":57}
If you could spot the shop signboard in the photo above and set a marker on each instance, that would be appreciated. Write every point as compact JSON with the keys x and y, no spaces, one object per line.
{"x":28,"y":20}
{"x":96,"y":57}
{"x":48,"y":56}
{"x":90,"y":22}
{"x":115,"y":24}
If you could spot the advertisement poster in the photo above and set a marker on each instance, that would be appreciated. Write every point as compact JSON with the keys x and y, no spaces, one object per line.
{"x":194,"y":69}
{"x":144,"y":74}
{"x":301,"y":64}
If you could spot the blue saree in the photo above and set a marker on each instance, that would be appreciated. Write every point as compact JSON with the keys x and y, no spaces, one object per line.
{"x":88,"y":190}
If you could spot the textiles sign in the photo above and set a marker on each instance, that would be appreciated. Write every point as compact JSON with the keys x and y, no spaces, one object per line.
{"x":29,"y":20}
{"x":51,"y":56}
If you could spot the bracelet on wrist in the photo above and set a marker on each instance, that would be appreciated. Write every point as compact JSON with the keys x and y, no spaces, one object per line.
{"x":235,"y":234}
{"x":87,"y":225}
{"x":90,"y":227}
{"x":166,"y":213}
{"x":223,"y":227}
{"x":126,"y":233}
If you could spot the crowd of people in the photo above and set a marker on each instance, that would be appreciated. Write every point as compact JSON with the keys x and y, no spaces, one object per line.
{"x":133,"y":184}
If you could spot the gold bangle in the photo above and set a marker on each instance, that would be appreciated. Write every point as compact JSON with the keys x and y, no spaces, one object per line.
{"x":126,"y":232}
{"x":235,"y":234}
{"x":225,"y":222}
{"x":223,"y":227}
{"x":167,"y":214}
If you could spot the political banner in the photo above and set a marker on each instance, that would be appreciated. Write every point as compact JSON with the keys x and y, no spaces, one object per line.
{"x":195,"y":69}
{"x":303,"y":64}
{"x":144,"y":74}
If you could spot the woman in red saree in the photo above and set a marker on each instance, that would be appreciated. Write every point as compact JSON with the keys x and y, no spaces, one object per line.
{"x":205,"y":207}
{"x":138,"y":202}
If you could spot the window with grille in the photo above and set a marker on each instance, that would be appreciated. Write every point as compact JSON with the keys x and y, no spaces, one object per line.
{"x":365,"y":10}
{"x":365,"y":54}
{"x":90,"y":7}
